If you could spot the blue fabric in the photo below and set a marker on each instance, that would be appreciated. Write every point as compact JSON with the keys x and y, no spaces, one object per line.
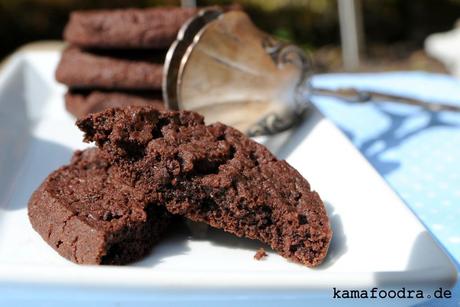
{"x":416,"y":151}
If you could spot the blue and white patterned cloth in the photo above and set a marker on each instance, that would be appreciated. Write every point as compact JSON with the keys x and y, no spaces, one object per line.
{"x":416,"y":151}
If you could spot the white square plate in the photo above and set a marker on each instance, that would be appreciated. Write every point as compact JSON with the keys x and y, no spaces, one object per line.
{"x":377,"y":240}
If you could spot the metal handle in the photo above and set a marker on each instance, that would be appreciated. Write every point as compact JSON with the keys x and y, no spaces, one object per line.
{"x":364,"y":96}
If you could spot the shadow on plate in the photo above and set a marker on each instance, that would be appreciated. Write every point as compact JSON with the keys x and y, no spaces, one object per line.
{"x":28,"y":170}
{"x":338,"y":245}
{"x":173,"y":243}
{"x":176,"y":241}
{"x":219,"y":237}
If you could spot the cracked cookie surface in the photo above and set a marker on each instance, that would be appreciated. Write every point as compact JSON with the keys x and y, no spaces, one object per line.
{"x":89,"y":218}
{"x":213,"y":174}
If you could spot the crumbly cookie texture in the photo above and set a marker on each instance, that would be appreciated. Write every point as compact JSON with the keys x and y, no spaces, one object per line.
{"x":88,"y":217}
{"x":213,"y":174}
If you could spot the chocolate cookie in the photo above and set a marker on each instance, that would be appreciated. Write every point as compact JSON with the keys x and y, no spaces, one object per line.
{"x":213,"y":174}
{"x":114,"y":69}
{"x":89,"y":218}
{"x":126,"y":28}
{"x":81,"y":103}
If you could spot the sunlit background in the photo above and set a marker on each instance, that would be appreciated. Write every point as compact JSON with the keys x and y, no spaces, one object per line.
{"x":393,"y":31}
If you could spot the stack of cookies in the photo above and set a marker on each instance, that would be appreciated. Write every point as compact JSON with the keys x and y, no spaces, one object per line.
{"x":115,"y":57}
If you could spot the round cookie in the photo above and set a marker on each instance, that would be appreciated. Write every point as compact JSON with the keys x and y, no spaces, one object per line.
{"x":114,"y":69}
{"x":126,"y":28}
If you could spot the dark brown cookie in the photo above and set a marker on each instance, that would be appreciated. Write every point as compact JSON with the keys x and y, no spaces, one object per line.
{"x":81,"y":103}
{"x":89,"y":218}
{"x":126,"y":28}
{"x":114,"y":69}
{"x":213,"y":174}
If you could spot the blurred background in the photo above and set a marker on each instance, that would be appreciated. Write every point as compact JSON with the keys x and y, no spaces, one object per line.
{"x":392,"y":32}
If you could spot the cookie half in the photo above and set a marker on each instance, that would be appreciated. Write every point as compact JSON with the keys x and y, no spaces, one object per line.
{"x":88,"y":217}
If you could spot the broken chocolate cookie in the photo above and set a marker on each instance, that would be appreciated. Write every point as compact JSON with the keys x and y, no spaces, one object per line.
{"x":213,"y":174}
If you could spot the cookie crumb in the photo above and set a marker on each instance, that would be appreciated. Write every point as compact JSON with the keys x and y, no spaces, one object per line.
{"x":260,"y":254}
